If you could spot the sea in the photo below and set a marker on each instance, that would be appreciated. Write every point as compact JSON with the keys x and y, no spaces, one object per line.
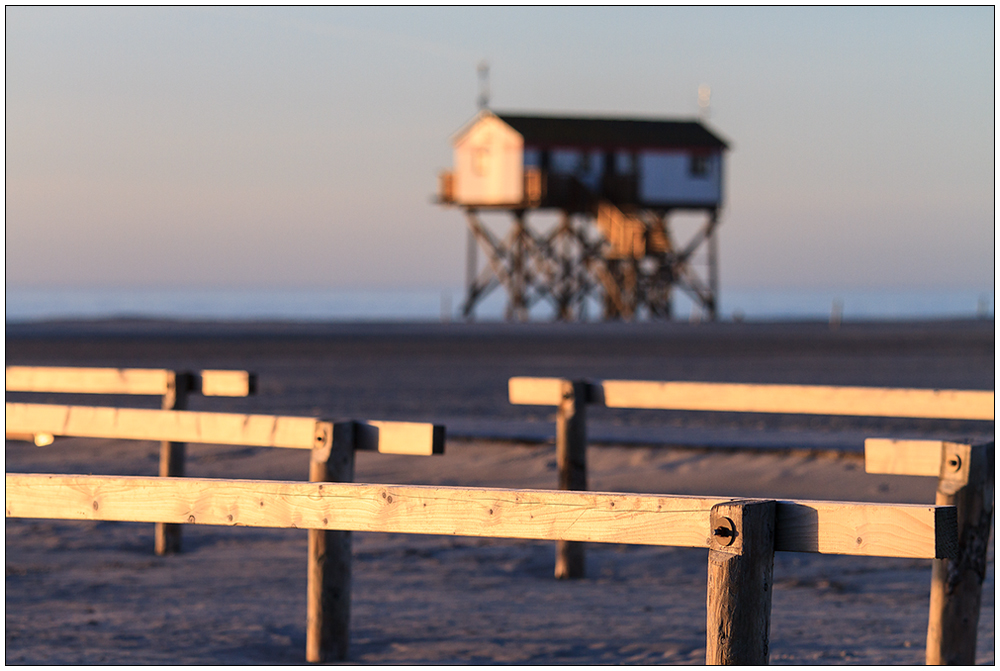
{"x":445,"y":304}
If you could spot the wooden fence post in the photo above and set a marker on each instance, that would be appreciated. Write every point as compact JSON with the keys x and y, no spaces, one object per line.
{"x":571,"y":459}
{"x":328,"y":592}
{"x":179,"y":385}
{"x":966,"y":482}
{"x":740,"y":569}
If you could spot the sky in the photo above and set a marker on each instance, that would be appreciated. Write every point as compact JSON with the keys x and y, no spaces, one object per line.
{"x":284,"y":148}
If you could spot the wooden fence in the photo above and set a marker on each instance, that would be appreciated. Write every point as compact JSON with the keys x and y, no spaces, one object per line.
{"x":741,"y":535}
{"x":964,"y":494}
{"x":332,"y":446}
{"x":965,"y":474}
{"x":174,"y":387}
{"x":965,"y":471}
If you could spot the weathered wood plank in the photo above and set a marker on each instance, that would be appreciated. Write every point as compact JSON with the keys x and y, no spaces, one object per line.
{"x":535,"y":390}
{"x":866,"y":529}
{"x":413,"y":438}
{"x":33,"y":419}
{"x":141,"y":381}
{"x":903,"y":457}
{"x":162,"y":425}
{"x":501,"y":513}
{"x":133,"y":381}
{"x":800,"y":399}
{"x":227,"y":383}
{"x":641,"y":519}
{"x":791,"y":399}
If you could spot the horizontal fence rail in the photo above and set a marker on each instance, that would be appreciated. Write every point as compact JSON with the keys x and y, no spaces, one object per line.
{"x":181,"y":426}
{"x":916,"y":531}
{"x":764,"y":398}
{"x":914,"y":457}
{"x":137,"y":381}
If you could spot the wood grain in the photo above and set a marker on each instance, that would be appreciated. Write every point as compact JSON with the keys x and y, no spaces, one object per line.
{"x":162,"y":425}
{"x":328,"y":590}
{"x":227,"y":383}
{"x":167,"y":537}
{"x":903,"y":457}
{"x":800,"y":399}
{"x":414,"y":438}
{"x":132,"y":381}
{"x":790,"y":399}
{"x":31,"y":419}
{"x":957,"y":582}
{"x":640,"y":519}
{"x":142,"y":381}
{"x":535,"y":390}
{"x":867,"y":529}
{"x":740,"y":570}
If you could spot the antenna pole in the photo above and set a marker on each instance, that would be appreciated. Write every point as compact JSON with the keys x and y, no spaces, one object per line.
{"x":483,"y":70}
{"x":704,"y":101}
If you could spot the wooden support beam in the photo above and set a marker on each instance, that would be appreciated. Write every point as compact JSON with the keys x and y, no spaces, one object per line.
{"x":571,"y":460}
{"x":965,"y":475}
{"x":328,"y":592}
{"x":740,"y":570}
{"x":167,"y":537}
{"x":889,"y":530}
{"x":800,"y":399}
{"x":212,"y":428}
{"x":957,"y":583}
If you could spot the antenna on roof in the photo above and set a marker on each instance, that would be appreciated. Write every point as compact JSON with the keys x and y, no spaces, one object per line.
{"x":704,"y":101}
{"x":483,"y":70}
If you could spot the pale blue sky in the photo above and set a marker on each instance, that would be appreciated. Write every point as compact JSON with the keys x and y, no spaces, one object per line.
{"x":264,"y":147}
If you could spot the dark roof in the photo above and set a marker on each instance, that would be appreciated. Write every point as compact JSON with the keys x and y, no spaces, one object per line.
{"x":611,"y":133}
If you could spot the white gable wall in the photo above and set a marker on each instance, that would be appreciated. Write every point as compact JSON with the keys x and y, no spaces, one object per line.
{"x":489,"y":164}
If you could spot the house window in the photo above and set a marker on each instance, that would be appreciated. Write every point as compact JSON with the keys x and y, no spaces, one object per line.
{"x":624,"y":162}
{"x":698,"y":167}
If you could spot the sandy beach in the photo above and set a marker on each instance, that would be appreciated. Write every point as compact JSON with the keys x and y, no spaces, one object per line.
{"x":91,"y":593}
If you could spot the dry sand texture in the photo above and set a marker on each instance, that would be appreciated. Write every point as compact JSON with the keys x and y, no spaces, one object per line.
{"x":95,"y":593}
